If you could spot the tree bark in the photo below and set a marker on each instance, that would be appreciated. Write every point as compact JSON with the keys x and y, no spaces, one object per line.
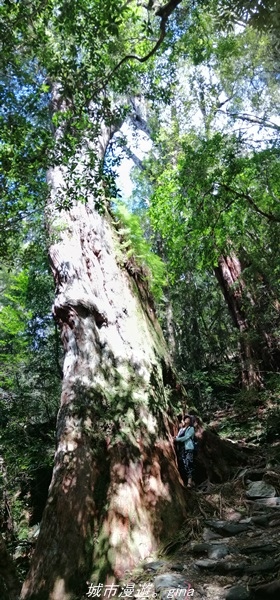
{"x":229,"y":275}
{"x":115,"y":491}
{"x":9,"y":582}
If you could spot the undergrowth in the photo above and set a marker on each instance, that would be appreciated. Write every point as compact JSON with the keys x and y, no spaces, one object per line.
{"x":136,"y":248}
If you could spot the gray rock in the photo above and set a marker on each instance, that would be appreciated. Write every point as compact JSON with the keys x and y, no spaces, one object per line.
{"x":268,"y":591}
{"x":256,"y":519}
{"x":246,"y":520}
{"x":269,"y":501}
{"x":218,"y":551}
{"x":260,"y":489}
{"x":259,"y":549}
{"x":153,"y":565}
{"x":253,"y":534}
{"x":220,"y":567}
{"x":237,"y":592}
{"x":177,"y":567}
{"x":262,"y":567}
{"x":214,"y":550}
{"x":227,"y":528}
{"x":200,"y":548}
{"x":206,"y":563}
{"x":210,"y":535}
{"x":235,"y":528}
{"x":171,"y":581}
{"x":260,"y":520}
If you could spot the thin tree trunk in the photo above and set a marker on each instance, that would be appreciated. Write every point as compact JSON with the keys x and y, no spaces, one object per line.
{"x":115,"y":492}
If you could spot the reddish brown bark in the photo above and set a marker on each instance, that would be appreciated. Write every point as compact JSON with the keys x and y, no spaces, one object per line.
{"x":115,"y":493}
{"x":216,"y":459}
{"x":229,"y":275}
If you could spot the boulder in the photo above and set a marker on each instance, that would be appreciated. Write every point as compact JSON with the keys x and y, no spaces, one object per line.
{"x":238,"y":592}
{"x":260,"y":489}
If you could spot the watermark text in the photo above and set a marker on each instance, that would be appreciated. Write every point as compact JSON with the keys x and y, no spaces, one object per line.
{"x":145,"y":591}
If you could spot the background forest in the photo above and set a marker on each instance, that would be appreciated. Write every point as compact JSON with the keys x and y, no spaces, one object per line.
{"x":201,"y":228}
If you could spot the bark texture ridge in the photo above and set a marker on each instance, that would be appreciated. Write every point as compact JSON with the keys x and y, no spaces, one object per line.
{"x":115,"y":492}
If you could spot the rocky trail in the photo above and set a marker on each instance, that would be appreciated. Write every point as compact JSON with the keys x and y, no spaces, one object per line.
{"x":229,"y":548}
{"x":233,"y":557}
{"x":229,"y":545}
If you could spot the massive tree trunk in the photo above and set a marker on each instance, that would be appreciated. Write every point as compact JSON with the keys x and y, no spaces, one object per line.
{"x":115,"y":491}
{"x":229,"y":275}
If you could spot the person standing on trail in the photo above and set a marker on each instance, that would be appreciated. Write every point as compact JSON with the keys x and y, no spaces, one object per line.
{"x":179,"y":448}
{"x":185,"y":438}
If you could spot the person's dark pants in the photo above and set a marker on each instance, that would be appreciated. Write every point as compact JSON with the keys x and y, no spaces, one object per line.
{"x":185,"y":463}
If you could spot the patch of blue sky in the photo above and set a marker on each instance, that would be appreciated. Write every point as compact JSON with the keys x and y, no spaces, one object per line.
{"x":139,"y":144}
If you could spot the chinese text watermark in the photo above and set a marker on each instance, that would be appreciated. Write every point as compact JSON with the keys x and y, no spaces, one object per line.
{"x":145,"y":591}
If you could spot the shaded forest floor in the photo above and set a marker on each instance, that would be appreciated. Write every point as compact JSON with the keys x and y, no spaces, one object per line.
{"x":229,"y":546}
{"x":253,"y":426}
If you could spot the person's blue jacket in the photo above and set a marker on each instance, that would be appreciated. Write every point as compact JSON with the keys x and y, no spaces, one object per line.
{"x":187,"y":438}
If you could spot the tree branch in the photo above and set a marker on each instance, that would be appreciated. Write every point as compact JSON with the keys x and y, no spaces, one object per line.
{"x":137,"y":117}
{"x":251,"y":119}
{"x":250,"y":200}
{"x":164,"y":13}
{"x":137,"y":161}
